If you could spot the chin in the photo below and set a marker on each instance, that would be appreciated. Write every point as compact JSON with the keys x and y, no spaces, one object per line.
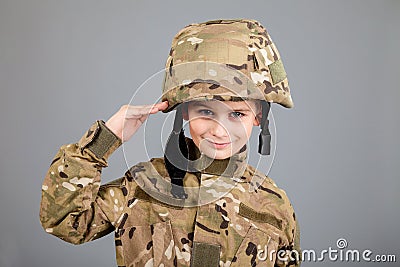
{"x":222,"y":157}
{"x":218,"y":154}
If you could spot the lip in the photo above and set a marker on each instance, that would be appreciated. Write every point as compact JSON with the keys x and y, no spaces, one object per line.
{"x":219,"y":145}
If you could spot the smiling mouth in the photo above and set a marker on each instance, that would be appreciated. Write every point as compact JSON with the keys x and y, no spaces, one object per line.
{"x":219,"y":145}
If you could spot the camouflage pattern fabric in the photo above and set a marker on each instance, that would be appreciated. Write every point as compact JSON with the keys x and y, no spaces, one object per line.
{"x":231,"y":230}
{"x":227,"y":59}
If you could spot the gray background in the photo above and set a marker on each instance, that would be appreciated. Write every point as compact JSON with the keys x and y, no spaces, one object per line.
{"x":65,"y":64}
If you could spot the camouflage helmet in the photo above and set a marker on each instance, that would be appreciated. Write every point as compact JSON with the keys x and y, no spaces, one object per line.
{"x":228,"y":60}
{"x":224,"y":60}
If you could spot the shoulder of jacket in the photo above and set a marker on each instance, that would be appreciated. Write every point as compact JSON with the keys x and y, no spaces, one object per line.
{"x":267,"y":204}
{"x":266,"y":192}
{"x":258,"y":180}
{"x":148,"y":168}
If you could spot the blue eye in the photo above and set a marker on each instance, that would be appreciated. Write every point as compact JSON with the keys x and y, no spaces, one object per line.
{"x":205,"y":112}
{"x":237,"y":115}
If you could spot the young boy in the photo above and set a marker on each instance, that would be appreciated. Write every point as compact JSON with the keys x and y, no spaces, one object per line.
{"x":201,"y":204}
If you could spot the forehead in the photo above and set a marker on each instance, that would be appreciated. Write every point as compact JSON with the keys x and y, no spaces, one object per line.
{"x":233,"y":105}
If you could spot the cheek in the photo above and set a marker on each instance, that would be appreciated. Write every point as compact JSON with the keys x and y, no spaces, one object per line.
{"x":244,"y":129}
{"x":249,"y":127}
{"x":249,"y":130}
{"x":196,"y":128}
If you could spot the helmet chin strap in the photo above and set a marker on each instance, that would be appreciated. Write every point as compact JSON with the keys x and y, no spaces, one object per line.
{"x":264,"y":139}
{"x":176,"y":156}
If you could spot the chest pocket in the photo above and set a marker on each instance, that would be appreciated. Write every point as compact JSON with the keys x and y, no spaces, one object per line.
{"x":260,"y":244}
{"x":258,"y":248}
{"x":148,"y":245}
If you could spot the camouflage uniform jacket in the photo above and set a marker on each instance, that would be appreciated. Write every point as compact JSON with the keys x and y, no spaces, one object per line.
{"x":235,"y":228}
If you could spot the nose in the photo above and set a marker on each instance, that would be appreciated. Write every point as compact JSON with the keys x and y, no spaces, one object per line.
{"x":218,"y":129}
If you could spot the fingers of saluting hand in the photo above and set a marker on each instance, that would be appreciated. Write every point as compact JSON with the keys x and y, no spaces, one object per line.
{"x":136,"y":112}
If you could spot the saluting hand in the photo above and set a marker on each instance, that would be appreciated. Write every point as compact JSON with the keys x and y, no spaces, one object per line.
{"x":128,"y":119}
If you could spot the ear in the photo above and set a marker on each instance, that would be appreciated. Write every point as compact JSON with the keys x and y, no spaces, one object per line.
{"x":258,"y":116}
{"x":257,"y":119}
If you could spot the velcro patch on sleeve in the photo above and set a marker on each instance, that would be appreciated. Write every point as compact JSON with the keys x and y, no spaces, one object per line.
{"x":102,"y":140}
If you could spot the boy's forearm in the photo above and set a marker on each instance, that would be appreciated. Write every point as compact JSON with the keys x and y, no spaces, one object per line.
{"x":72,"y":183}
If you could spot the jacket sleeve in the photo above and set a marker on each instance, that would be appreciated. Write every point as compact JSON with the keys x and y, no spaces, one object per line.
{"x":290,"y":255}
{"x":296,"y":246}
{"x":74,"y":207}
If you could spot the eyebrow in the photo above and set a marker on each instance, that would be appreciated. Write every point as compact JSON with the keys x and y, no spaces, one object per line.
{"x":203,"y":104}
{"x":200,"y":104}
{"x":242,"y":110}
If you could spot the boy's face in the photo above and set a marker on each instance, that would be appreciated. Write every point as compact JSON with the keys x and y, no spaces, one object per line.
{"x":221,"y":128}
